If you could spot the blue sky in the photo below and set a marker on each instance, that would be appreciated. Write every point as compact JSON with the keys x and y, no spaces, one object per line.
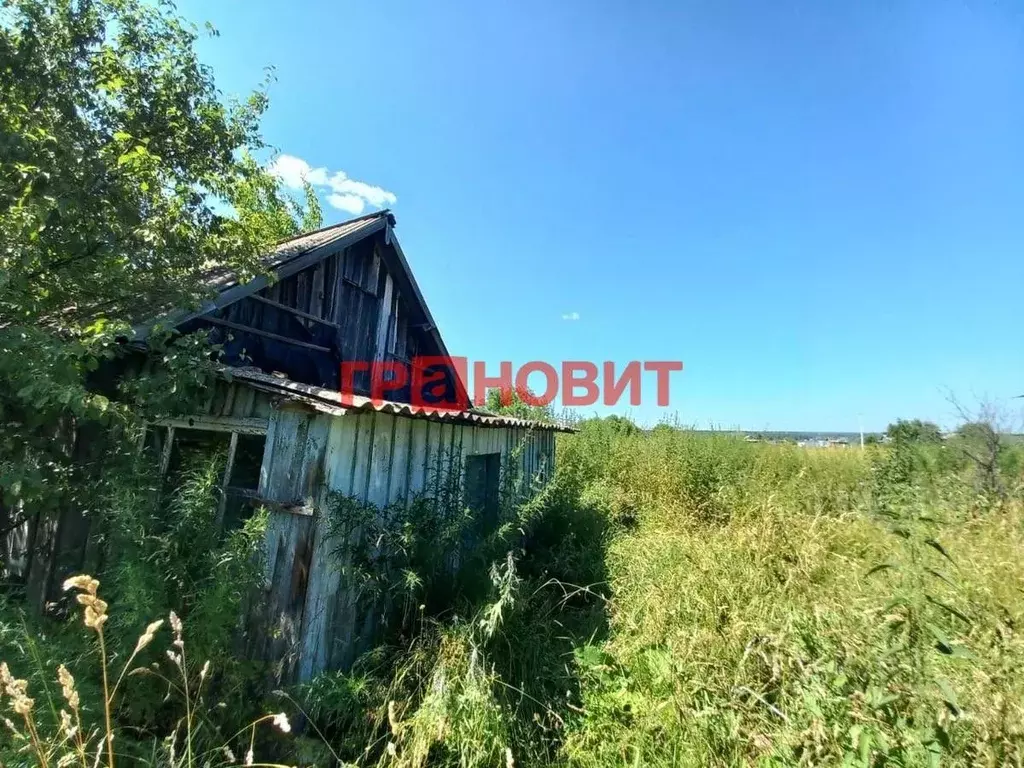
{"x":817,"y":207}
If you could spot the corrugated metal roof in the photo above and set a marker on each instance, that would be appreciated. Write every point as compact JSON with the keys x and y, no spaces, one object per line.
{"x":329,"y":401}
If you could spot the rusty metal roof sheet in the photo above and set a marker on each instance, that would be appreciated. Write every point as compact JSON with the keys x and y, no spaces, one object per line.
{"x":329,"y":401}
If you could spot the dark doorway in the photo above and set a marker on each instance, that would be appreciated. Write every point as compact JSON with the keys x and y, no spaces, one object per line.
{"x":482,"y":475}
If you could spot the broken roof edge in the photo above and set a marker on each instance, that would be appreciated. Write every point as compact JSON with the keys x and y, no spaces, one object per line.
{"x":329,"y":401}
{"x":383,"y":212}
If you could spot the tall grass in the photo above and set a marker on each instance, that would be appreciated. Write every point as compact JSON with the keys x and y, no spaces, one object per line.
{"x":687,"y":599}
{"x":682,"y":599}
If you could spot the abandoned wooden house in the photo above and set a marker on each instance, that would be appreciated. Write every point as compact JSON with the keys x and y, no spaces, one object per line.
{"x":345,"y":292}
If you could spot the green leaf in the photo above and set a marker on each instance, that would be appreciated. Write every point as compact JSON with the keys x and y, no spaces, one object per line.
{"x":941,"y":576}
{"x":948,"y":695}
{"x":948,"y":608}
{"x":864,"y":746}
{"x":881,"y":567}
{"x":960,"y":652}
{"x":939,"y":548}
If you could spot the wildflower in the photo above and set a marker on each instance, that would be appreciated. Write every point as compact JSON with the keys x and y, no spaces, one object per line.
{"x":228,"y":753}
{"x":177,"y":629}
{"x":22,"y":705}
{"x":67,"y":683}
{"x":82,"y":582}
{"x":509,"y":762}
{"x":95,"y":609}
{"x":17,"y":690}
{"x":147,"y":637}
{"x":393,"y":717}
{"x":66,"y":724}
{"x":249,"y":757}
{"x":392,"y":749}
{"x":281,"y":722}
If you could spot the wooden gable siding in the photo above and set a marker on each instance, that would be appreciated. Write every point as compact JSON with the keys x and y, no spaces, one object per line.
{"x":345,"y":307}
{"x":317,"y":617}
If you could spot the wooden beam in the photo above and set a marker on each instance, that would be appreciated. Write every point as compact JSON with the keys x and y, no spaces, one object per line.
{"x":384,"y":319}
{"x":265,"y":334}
{"x":165,"y":458}
{"x":226,"y":482}
{"x":292,"y":310}
{"x":243,"y":426}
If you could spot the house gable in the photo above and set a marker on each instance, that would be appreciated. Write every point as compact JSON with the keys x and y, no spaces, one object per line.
{"x":344,"y":293}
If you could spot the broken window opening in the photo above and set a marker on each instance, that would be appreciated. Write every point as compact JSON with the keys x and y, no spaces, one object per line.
{"x":179,"y":448}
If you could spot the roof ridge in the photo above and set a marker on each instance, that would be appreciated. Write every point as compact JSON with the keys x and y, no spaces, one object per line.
{"x":365,"y":216}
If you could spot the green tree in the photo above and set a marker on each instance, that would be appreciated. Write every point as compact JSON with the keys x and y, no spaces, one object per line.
{"x":507,"y":402}
{"x":621,"y":424}
{"x":123,"y":179}
{"x":914,"y":431}
{"x":982,"y":445}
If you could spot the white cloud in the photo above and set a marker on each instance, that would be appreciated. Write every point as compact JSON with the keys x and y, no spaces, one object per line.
{"x":292,"y":170}
{"x":346,"y":194}
{"x":343,"y":185}
{"x":351,"y":203}
{"x":571,"y":316}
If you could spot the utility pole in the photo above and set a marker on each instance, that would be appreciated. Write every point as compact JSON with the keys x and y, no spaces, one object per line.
{"x":860,"y":420}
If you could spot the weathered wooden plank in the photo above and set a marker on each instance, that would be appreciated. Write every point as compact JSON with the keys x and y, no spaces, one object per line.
{"x":312,"y":470}
{"x":341,"y":446}
{"x":362,"y":456}
{"x":289,"y":537}
{"x":338,"y":302}
{"x":226,"y":481}
{"x":292,"y":310}
{"x":321,"y":591}
{"x":218,"y":394}
{"x":303,"y":282}
{"x":243,"y":406}
{"x":165,"y":458}
{"x":316,"y":292}
{"x":383,"y":320}
{"x":284,"y":477}
{"x":266,"y":334}
{"x":444,"y":457}
{"x":432,"y":459}
{"x":319,"y":615}
{"x":245,"y":426}
{"x":398,"y":485}
{"x":418,"y":450}
{"x":380,"y":460}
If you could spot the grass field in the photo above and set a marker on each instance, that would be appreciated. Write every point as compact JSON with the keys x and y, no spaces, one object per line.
{"x":690,"y":599}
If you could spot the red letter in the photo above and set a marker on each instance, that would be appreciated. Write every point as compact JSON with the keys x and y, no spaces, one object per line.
{"x":430,"y":376}
{"x":379,"y":385}
{"x":570,"y":382}
{"x":349,"y":369}
{"x":482,"y":382}
{"x":663,"y":367}
{"x":630,"y":377}
{"x":523,"y":389}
